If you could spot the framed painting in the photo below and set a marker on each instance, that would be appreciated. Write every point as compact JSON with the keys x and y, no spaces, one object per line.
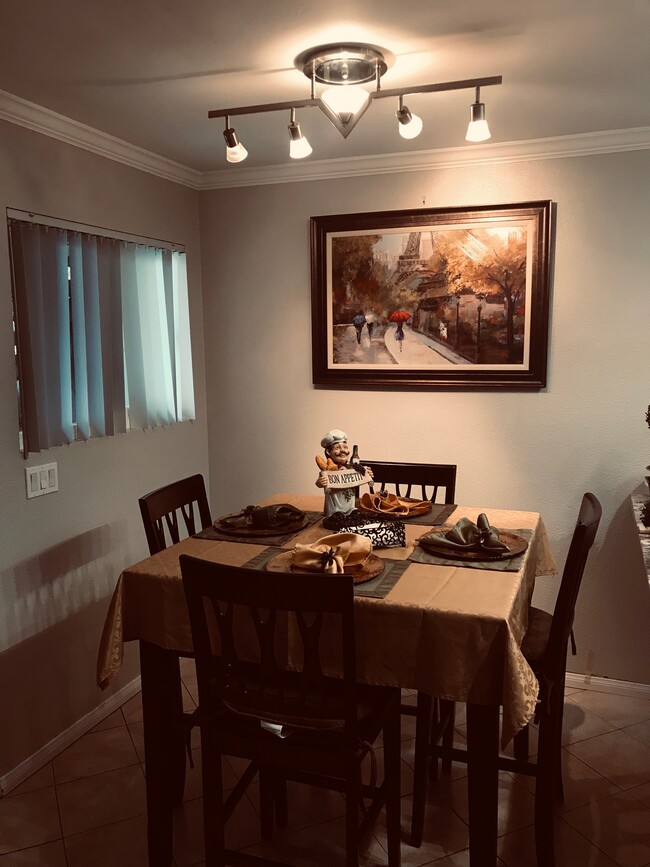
{"x":442,"y":297}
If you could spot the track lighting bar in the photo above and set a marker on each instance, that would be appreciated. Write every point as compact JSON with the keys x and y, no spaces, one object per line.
{"x":342,"y":68}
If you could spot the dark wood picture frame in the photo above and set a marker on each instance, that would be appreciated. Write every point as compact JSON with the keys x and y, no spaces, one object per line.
{"x":471,"y":286}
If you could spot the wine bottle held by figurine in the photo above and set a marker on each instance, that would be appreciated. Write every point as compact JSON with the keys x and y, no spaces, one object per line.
{"x":354,"y":460}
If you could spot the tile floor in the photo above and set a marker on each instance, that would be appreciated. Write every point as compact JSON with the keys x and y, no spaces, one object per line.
{"x":86,"y":808}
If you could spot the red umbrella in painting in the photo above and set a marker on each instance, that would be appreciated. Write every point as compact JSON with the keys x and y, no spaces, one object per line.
{"x":399,"y":316}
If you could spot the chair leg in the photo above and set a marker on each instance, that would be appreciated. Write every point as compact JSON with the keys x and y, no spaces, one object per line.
{"x":447,"y":713}
{"x":213,"y":812}
{"x":392,"y":770}
{"x":352,"y":798}
{"x":435,"y":722}
{"x":547,"y":780}
{"x":280,"y":801}
{"x":422,"y":729}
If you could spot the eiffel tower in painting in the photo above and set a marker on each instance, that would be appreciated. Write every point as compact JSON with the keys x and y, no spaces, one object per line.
{"x":409,"y":263}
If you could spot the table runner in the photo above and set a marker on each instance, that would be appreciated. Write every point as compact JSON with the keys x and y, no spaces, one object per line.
{"x":444,"y":630}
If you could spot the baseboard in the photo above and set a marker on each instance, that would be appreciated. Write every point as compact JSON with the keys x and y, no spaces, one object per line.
{"x":607,"y":684}
{"x":52,"y":749}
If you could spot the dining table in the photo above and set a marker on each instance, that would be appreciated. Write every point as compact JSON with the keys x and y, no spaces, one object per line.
{"x":451,"y":628}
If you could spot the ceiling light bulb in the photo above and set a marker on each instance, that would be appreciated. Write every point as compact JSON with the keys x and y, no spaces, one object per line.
{"x":299,"y":147}
{"x":235,"y":150}
{"x":345,"y":100}
{"x":410,"y":125}
{"x":478,"y":129}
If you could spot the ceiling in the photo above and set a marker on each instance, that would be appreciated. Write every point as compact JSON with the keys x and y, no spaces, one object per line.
{"x":148,"y":71}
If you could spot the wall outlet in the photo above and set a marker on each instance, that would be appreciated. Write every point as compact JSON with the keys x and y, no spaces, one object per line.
{"x":40,"y":480}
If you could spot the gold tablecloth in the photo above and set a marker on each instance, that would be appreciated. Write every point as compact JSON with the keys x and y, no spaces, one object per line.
{"x":451,"y":631}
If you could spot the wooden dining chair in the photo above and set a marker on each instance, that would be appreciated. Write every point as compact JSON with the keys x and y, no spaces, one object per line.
{"x":545,"y":647}
{"x":297,"y":724}
{"x":423,"y":481}
{"x":163,"y":510}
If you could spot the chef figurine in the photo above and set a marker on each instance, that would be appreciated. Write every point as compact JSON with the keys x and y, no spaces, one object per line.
{"x":337,"y":458}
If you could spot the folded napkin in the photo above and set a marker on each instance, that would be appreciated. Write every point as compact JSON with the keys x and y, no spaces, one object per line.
{"x":264,"y":517}
{"x":467,"y":536}
{"x":383,"y":501}
{"x":333,"y":554}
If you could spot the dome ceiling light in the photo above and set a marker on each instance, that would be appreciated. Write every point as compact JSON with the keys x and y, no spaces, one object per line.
{"x":342,"y":68}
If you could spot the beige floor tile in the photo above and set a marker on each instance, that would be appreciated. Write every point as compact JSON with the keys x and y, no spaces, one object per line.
{"x":94,"y":753}
{"x":306,"y":806}
{"x":113,"y":720}
{"x":641,"y":793}
{"x":640,"y":731}
{"x":444,"y":833}
{"x":47,"y":855}
{"x":571,"y":849}
{"x":323,"y":845}
{"x":132,"y":709}
{"x":619,"y":710}
{"x":28,"y":820}
{"x":579,"y":723}
{"x":458,"y":859}
{"x":136,"y":733}
{"x":91,"y":802}
{"x":617,"y":756}
{"x":516,"y":802}
{"x":42,"y":779}
{"x":242,"y":830}
{"x":582,"y":784}
{"x":618,"y":825}
{"x":123,"y":843}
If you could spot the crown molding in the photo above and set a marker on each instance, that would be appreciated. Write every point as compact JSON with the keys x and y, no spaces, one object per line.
{"x":26,"y":114}
{"x":558,"y":147}
{"x":39,"y":119}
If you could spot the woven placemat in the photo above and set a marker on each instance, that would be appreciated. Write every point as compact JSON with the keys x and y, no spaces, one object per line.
{"x":214,"y":534}
{"x":377,"y":588}
{"x":419,"y":555}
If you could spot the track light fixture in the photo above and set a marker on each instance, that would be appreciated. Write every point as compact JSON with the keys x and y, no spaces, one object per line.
{"x":299,"y":147}
{"x":343,"y":68}
{"x":235,"y":150}
{"x":410,"y":125}
{"x":477,"y":129}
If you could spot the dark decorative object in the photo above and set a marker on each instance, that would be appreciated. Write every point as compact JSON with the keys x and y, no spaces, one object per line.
{"x":445,"y":297}
{"x":645,"y":514}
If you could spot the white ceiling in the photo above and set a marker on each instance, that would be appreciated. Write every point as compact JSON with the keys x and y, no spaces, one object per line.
{"x":148,"y":71}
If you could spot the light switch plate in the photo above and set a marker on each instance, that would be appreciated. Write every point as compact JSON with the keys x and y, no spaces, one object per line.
{"x":40,"y":480}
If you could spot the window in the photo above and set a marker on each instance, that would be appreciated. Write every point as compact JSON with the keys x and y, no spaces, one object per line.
{"x":102,"y":332}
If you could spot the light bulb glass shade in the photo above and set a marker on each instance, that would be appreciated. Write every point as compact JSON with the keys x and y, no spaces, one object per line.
{"x":478,"y":129}
{"x":299,"y":147}
{"x":345,"y":100}
{"x":410,"y":125}
{"x":235,"y":150}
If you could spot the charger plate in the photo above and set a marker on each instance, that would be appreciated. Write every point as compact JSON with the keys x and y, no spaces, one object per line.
{"x":243,"y":532}
{"x":516,"y":545}
{"x":373,"y":566}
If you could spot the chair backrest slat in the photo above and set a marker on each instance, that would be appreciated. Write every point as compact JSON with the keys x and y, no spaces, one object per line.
{"x":553,"y":662}
{"x":426,"y":481}
{"x":263,"y":619}
{"x":163,"y":508}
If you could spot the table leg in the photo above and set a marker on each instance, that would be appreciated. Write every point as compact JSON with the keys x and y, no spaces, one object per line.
{"x":483,"y":783}
{"x":162,"y":714}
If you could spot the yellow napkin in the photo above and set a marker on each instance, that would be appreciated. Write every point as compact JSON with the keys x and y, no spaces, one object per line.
{"x":333,"y":553}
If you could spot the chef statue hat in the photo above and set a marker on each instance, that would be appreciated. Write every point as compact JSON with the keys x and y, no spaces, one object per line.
{"x":333,"y":436}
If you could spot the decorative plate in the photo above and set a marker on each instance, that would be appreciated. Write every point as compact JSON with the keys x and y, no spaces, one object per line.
{"x":373,"y":566}
{"x":516,"y":545}
{"x":250,"y":531}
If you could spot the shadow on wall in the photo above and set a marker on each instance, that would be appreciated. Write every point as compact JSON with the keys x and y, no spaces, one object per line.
{"x":48,"y":683}
{"x":59,"y":581}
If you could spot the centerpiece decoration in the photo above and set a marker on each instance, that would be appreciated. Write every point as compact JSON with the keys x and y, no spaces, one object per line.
{"x":340,"y":473}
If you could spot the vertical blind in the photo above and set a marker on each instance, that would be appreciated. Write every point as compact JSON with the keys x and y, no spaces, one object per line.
{"x":102,"y":334}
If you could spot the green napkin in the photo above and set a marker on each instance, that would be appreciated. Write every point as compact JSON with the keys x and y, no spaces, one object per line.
{"x":466,"y":535}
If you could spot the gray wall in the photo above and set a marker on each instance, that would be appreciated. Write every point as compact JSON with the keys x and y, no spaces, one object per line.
{"x":535,"y":451}
{"x":61,"y":555}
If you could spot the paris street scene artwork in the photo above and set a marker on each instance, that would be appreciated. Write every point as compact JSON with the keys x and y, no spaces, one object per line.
{"x":456,"y":297}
